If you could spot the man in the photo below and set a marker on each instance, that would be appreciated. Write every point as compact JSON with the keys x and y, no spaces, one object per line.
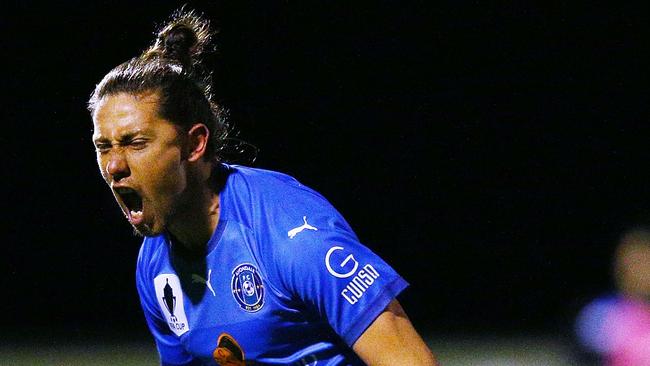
{"x":239,"y":266}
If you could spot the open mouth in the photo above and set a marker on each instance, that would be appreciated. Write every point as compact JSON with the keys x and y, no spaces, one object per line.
{"x":133,"y":202}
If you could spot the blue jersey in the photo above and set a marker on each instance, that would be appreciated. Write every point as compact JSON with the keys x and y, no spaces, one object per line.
{"x":284,"y":281}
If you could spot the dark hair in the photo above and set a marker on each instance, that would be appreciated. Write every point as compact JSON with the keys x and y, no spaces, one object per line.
{"x":171,"y":67}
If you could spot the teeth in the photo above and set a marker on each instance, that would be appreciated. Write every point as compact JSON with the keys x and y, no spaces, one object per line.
{"x":136,"y":213}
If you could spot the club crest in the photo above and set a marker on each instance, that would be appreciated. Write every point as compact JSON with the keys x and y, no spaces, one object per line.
{"x":247,"y":287}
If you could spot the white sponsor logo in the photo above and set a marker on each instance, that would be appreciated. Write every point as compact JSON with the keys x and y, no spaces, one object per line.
{"x":293,"y":232}
{"x":343,"y":264}
{"x":198,"y":279}
{"x":170,"y":299}
{"x":360,"y":283}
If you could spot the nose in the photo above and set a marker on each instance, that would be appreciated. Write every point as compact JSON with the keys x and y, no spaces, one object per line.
{"x":117,"y":167}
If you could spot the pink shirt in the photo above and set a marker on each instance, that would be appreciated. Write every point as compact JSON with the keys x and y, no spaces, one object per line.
{"x":618,"y":329}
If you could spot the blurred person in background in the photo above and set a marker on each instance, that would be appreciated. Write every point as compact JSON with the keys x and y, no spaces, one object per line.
{"x":615,"y":328}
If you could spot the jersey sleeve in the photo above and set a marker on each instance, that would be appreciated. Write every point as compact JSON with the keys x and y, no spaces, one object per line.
{"x":320,"y":261}
{"x":169,"y":347}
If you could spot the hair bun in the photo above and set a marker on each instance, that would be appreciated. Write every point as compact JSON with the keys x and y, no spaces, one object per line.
{"x":182,"y":39}
{"x":178,"y":43}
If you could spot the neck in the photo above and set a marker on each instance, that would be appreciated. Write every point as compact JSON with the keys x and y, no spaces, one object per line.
{"x":197,"y":219}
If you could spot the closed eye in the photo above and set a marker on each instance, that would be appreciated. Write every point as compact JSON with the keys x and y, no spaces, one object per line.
{"x":138,"y":144}
{"x":102,"y":147}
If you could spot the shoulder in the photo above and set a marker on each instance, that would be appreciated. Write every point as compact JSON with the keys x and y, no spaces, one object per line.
{"x":273,"y":198}
{"x":290,"y":221}
{"x":261,"y":181}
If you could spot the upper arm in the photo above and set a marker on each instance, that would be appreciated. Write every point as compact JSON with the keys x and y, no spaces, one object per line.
{"x":392,"y":340}
{"x":317,"y":260}
{"x":337,"y":278}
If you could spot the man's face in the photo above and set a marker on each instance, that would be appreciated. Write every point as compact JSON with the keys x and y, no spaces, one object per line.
{"x":139,"y":157}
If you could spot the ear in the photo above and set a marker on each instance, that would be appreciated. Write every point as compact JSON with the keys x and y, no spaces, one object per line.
{"x":198,"y":137}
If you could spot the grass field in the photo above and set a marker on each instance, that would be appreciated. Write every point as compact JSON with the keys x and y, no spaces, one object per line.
{"x":450,"y":352}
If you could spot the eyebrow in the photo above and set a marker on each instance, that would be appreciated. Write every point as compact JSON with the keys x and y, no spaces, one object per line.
{"x":100,"y":139}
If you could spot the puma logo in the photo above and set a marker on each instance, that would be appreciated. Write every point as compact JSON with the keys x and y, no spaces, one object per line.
{"x":293,"y":232}
{"x":198,"y":279}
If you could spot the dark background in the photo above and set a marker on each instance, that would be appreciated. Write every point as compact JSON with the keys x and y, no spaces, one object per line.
{"x":492,"y":154}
